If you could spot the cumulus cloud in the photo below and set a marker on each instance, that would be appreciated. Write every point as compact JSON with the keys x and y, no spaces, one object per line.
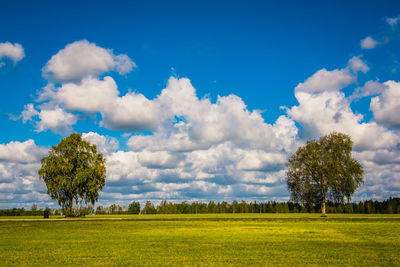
{"x":131,"y":112}
{"x":158,"y":159}
{"x":205,"y":123}
{"x":203,"y":150}
{"x":219,"y":172}
{"x":28,"y":113}
{"x":368,"y":43}
{"x":57,"y":120}
{"x":20,"y":186}
{"x":198,"y":149}
{"x":382,"y":170}
{"x":74,"y":85}
{"x":81,"y":59}
{"x":123,"y":64}
{"x":322,"y":111}
{"x":320,"y":114}
{"x":370,"y":88}
{"x":386,"y":107}
{"x":21,"y":152}
{"x":105,"y":144}
{"x":334,"y":80}
{"x":15,"y":52}
{"x":356,"y":64}
{"x":324,"y":80}
{"x":91,"y":95}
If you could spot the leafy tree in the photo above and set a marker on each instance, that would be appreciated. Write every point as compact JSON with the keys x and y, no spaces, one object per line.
{"x":149,"y":208}
{"x":100,"y":210}
{"x":34,"y":208}
{"x":235,"y":206}
{"x":134,"y":208}
{"x":114,"y":209}
{"x":324,"y":170}
{"x":73,"y":172}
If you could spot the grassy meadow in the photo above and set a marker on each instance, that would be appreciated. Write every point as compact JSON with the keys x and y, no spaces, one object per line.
{"x":183,"y":240}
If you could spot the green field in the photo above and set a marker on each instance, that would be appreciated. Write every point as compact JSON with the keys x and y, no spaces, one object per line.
{"x":214,"y":216}
{"x":185,"y":240}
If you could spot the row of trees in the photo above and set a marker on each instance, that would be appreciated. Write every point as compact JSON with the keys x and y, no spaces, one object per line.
{"x":133,"y":208}
{"x":389,"y":206}
{"x":33,"y":211}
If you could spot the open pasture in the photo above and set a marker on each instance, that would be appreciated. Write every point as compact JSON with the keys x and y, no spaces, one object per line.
{"x":231,"y":241}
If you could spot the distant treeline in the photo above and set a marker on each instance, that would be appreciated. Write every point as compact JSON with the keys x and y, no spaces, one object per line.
{"x":34,"y":211}
{"x":389,"y":206}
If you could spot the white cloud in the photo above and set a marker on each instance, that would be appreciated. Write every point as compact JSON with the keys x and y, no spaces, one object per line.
{"x":199,"y":149}
{"x":320,"y":114}
{"x":380,"y":156}
{"x":356,"y":64}
{"x":334,"y":80}
{"x":28,"y":113}
{"x":330,"y":111}
{"x":77,"y":68}
{"x":158,"y":159}
{"x":211,"y":150}
{"x":258,"y":160}
{"x":91,"y":95}
{"x":123,"y":64}
{"x":193,"y":140}
{"x":15,"y":51}
{"x":23,"y":152}
{"x":124,"y":165}
{"x":131,"y":112}
{"x":323,"y":109}
{"x":324,"y":80}
{"x":219,"y":172}
{"x":205,"y":123}
{"x":368,"y":43}
{"x":105,"y":144}
{"x":386,"y":107}
{"x":22,"y":186}
{"x":368,"y":89}
{"x":81,"y":59}
{"x":382,"y":170}
{"x":57,"y":120}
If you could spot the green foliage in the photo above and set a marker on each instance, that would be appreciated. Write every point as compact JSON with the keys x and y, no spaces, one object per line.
{"x":388,"y":206}
{"x":34,"y":208}
{"x":46,"y":213}
{"x":112,"y":209}
{"x":73,"y":172}
{"x":134,"y":208}
{"x":324,"y":170}
{"x":149,"y":208}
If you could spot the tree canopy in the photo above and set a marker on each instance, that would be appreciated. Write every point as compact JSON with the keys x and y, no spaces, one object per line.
{"x":324,"y":170}
{"x":134,"y":208}
{"x":73,"y":172}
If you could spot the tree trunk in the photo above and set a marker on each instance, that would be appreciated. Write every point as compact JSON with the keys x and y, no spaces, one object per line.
{"x":323,"y":207}
{"x":69,"y":211}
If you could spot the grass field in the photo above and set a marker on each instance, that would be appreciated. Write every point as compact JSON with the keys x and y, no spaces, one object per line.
{"x":216,"y":216}
{"x":239,"y":242}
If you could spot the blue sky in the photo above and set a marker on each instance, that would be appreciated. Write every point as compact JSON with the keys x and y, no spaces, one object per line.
{"x":284,"y":72}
